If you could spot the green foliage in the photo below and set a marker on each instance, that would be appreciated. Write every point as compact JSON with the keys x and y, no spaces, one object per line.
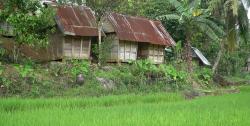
{"x":232,"y":63}
{"x":144,"y":66}
{"x":24,"y":70}
{"x":102,"y":52}
{"x":2,"y":52}
{"x":31,"y":23}
{"x":32,"y":29}
{"x":204,"y":75}
{"x":102,"y":6}
{"x":193,"y":18}
{"x":233,"y":13}
{"x":173,"y":73}
{"x":79,"y":67}
{"x":105,"y":53}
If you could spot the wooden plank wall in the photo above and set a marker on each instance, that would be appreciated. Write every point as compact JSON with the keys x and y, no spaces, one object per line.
{"x":128,"y":51}
{"x":156,"y":53}
{"x":122,"y":51}
{"x":42,"y":54}
{"x":76,"y":47}
{"x":114,"y":56}
{"x":56,"y":45}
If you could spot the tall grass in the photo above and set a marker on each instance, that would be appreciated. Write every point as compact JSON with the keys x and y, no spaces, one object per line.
{"x":14,"y":104}
{"x":130,"y":110}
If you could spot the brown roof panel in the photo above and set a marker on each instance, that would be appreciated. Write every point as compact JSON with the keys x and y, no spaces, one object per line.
{"x":76,"y":21}
{"x":140,"y":30}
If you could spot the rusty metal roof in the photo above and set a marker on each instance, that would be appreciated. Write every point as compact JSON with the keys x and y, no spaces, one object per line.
{"x":76,"y":21}
{"x":140,"y":29}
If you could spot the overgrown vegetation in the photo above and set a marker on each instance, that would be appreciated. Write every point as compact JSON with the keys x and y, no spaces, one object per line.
{"x":195,"y":23}
{"x":56,"y":79}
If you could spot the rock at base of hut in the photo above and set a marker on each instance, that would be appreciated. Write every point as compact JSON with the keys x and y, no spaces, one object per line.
{"x":106,"y":83}
{"x":80,"y":79}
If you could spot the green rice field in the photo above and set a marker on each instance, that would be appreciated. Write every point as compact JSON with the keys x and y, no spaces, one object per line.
{"x":169,"y":109}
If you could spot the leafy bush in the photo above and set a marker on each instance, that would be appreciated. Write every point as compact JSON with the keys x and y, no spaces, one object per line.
{"x":171,"y":71}
{"x":103,"y":53}
{"x":79,"y":67}
{"x":204,"y":75}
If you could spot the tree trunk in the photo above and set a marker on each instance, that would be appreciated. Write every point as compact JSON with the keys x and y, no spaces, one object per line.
{"x":217,"y":61}
{"x":99,"y":42}
{"x":188,"y":53}
{"x":16,"y":51}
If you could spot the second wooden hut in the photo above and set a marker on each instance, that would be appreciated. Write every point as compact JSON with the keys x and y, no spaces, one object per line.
{"x":136,"y":37}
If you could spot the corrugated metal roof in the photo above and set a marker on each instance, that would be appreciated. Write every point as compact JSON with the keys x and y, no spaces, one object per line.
{"x":201,"y":56}
{"x":140,"y":30}
{"x":76,"y":21}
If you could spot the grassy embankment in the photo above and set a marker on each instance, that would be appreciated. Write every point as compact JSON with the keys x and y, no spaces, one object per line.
{"x":148,"y":110}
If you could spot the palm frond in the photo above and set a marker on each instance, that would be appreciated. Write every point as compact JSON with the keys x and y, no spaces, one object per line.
{"x":243,"y":23}
{"x":217,"y":29}
{"x":215,"y":4}
{"x":231,"y":31}
{"x":235,"y":6}
{"x":169,"y":17}
{"x":195,"y":4}
{"x":247,"y":2}
{"x":231,"y":40}
{"x":178,"y":6}
{"x":206,"y":29}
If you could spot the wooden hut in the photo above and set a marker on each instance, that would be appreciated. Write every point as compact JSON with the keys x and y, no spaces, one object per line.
{"x":76,"y":27}
{"x":136,"y":37}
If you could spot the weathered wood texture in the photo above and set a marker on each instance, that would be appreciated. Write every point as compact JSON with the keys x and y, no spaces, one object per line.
{"x":114,"y":51}
{"x":60,"y":47}
{"x":76,"y":47}
{"x":128,"y":51}
{"x":42,"y":54}
{"x":155,"y":53}
{"x":122,"y":51}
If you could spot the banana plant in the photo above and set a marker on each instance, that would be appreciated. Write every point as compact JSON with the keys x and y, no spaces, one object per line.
{"x":193,"y":19}
{"x":234,"y":15}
